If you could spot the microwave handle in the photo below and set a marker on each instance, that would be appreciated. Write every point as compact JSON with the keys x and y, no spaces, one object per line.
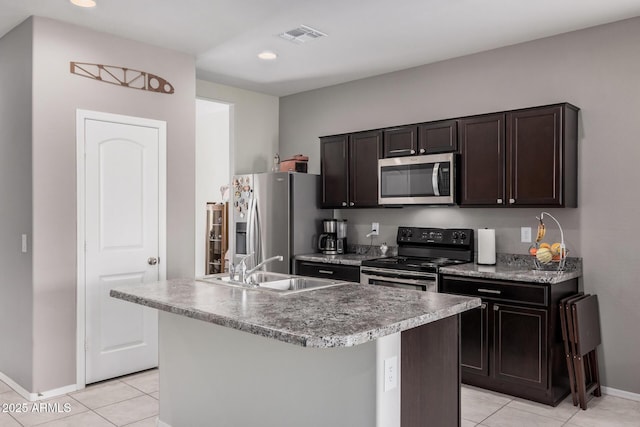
{"x":434,"y":179}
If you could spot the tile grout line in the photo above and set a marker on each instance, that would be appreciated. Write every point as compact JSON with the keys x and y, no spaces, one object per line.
{"x":494,"y":412}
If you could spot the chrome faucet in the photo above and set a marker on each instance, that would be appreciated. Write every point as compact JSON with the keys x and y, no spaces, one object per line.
{"x":266,"y":261}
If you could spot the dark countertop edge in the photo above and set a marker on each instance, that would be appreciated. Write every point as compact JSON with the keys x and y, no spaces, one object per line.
{"x":300,"y":340}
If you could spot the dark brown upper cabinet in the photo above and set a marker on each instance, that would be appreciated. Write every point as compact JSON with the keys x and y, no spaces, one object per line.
{"x":334,"y":165}
{"x":425,"y":138}
{"x":482,"y":160}
{"x":400,"y":141}
{"x":438,"y":137}
{"x":349,"y":165}
{"x":520,"y":158}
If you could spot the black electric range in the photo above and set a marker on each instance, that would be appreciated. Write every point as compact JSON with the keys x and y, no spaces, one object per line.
{"x":421,"y":253}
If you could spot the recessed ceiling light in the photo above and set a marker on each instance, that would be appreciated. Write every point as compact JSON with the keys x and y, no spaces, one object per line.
{"x":267,"y":55}
{"x":84,"y":3}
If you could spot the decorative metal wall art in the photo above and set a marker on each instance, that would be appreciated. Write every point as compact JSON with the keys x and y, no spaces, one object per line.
{"x":122,"y":76}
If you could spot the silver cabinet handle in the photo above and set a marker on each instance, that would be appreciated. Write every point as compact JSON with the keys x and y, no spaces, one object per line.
{"x":325,"y":271}
{"x":422,"y":151}
{"x":344,"y":203}
{"x":496,"y":307}
{"x":490,"y":291}
{"x":483,"y":306}
{"x":499,"y":201}
{"x":512,"y":201}
{"x":351,"y":204}
{"x":403,"y":150}
{"x":152,"y":260}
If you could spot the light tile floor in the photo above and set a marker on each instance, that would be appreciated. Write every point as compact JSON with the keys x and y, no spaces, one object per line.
{"x":133,"y":401}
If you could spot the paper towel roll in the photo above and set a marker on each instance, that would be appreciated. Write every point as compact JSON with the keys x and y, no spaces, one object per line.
{"x":487,"y":246}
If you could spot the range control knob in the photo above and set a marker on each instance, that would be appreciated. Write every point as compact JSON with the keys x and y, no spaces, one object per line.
{"x":463,"y":236}
{"x":455,"y":235}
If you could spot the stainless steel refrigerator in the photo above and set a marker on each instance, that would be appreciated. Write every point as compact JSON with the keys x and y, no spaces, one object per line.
{"x":276,"y":214}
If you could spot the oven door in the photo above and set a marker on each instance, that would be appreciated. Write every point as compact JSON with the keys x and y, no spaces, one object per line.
{"x":399,"y":279}
{"x":416,"y":180}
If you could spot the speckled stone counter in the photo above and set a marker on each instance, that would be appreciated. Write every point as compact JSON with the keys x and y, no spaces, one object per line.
{"x":344,"y":259}
{"x":339,"y":316}
{"x":518,"y":268}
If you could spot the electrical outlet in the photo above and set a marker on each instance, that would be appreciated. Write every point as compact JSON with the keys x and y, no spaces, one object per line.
{"x":390,"y":373}
{"x":525,"y":234}
{"x":375,"y":228}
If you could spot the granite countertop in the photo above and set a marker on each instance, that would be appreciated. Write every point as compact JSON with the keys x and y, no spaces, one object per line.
{"x":338,"y":316}
{"x":343,"y":259}
{"x":518,"y":268}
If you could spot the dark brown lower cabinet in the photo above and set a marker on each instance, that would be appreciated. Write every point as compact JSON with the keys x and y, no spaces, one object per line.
{"x":430,"y":375}
{"x":512,"y":343}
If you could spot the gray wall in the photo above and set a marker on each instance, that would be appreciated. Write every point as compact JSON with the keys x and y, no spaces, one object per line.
{"x":254,"y":125}
{"x":16,"y":293}
{"x":57,"y":94}
{"x":596,"y":69}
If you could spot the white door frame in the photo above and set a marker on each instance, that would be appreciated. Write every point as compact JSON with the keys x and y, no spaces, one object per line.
{"x":161,"y":126}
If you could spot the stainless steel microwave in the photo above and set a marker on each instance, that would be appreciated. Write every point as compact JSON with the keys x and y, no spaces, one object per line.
{"x":417,"y":180}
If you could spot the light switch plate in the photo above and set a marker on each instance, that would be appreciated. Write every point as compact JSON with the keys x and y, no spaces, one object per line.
{"x":24,"y":243}
{"x":390,"y":373}
{"x":525,"y":234}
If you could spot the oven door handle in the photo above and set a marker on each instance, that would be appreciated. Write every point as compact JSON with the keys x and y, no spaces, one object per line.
{"x":400,"y":280}
{"x":373,"y":271}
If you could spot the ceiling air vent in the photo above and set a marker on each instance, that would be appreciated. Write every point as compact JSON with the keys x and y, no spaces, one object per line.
{"x":302,"y":34}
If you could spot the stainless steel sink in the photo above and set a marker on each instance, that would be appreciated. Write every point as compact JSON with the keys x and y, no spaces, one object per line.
{"x":273,"y":282}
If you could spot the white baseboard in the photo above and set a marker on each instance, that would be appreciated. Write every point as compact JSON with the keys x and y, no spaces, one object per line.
{"x":161,"y":424}
{"x":32,"y":397}
{"x":621,"y":393}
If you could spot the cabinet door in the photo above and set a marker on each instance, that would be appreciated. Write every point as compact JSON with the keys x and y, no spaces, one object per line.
{"x":334,"y":167}
{"x":482,"y":145}
{"x":365,"y":148}
{"x":438,"y":137}
{"x":520,"y":345}
{"x":400,"y":141}
{"x":534,"y":151}
{"x":474,"y":349}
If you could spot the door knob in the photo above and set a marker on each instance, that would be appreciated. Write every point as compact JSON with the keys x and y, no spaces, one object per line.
{"x":152,"y":260}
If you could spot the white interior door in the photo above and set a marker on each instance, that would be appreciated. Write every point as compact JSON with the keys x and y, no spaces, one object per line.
{"x":122,"y":174}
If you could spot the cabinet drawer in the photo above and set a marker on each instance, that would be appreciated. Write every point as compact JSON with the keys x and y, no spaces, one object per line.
{"x":494,"y":290}
{"x":328,"y":271}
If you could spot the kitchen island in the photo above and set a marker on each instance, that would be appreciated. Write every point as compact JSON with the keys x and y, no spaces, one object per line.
{"x":346,"y":355}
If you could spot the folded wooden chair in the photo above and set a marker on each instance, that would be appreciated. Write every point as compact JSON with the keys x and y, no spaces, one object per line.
{"x":567,"y":349}
{"x":586,"y":333}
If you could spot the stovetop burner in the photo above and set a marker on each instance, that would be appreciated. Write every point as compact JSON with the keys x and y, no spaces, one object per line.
{"x":428,"y":249}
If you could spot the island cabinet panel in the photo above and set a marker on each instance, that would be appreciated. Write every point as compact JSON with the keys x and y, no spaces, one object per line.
{"x":520,"y":158}
{"x":349,"y":169}
{"x":400,"y":141}
{"x":514,"y":345}
{"x":430,"y":375}
{"x":438,"y":137}
{"x":482,"y":145}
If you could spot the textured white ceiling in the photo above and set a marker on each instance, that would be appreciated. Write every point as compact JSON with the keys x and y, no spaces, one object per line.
{"x":365,"y":37}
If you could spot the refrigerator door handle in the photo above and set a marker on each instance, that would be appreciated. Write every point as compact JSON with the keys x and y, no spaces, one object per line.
{"x":249,"y":235}
{"x":253,"y":232}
